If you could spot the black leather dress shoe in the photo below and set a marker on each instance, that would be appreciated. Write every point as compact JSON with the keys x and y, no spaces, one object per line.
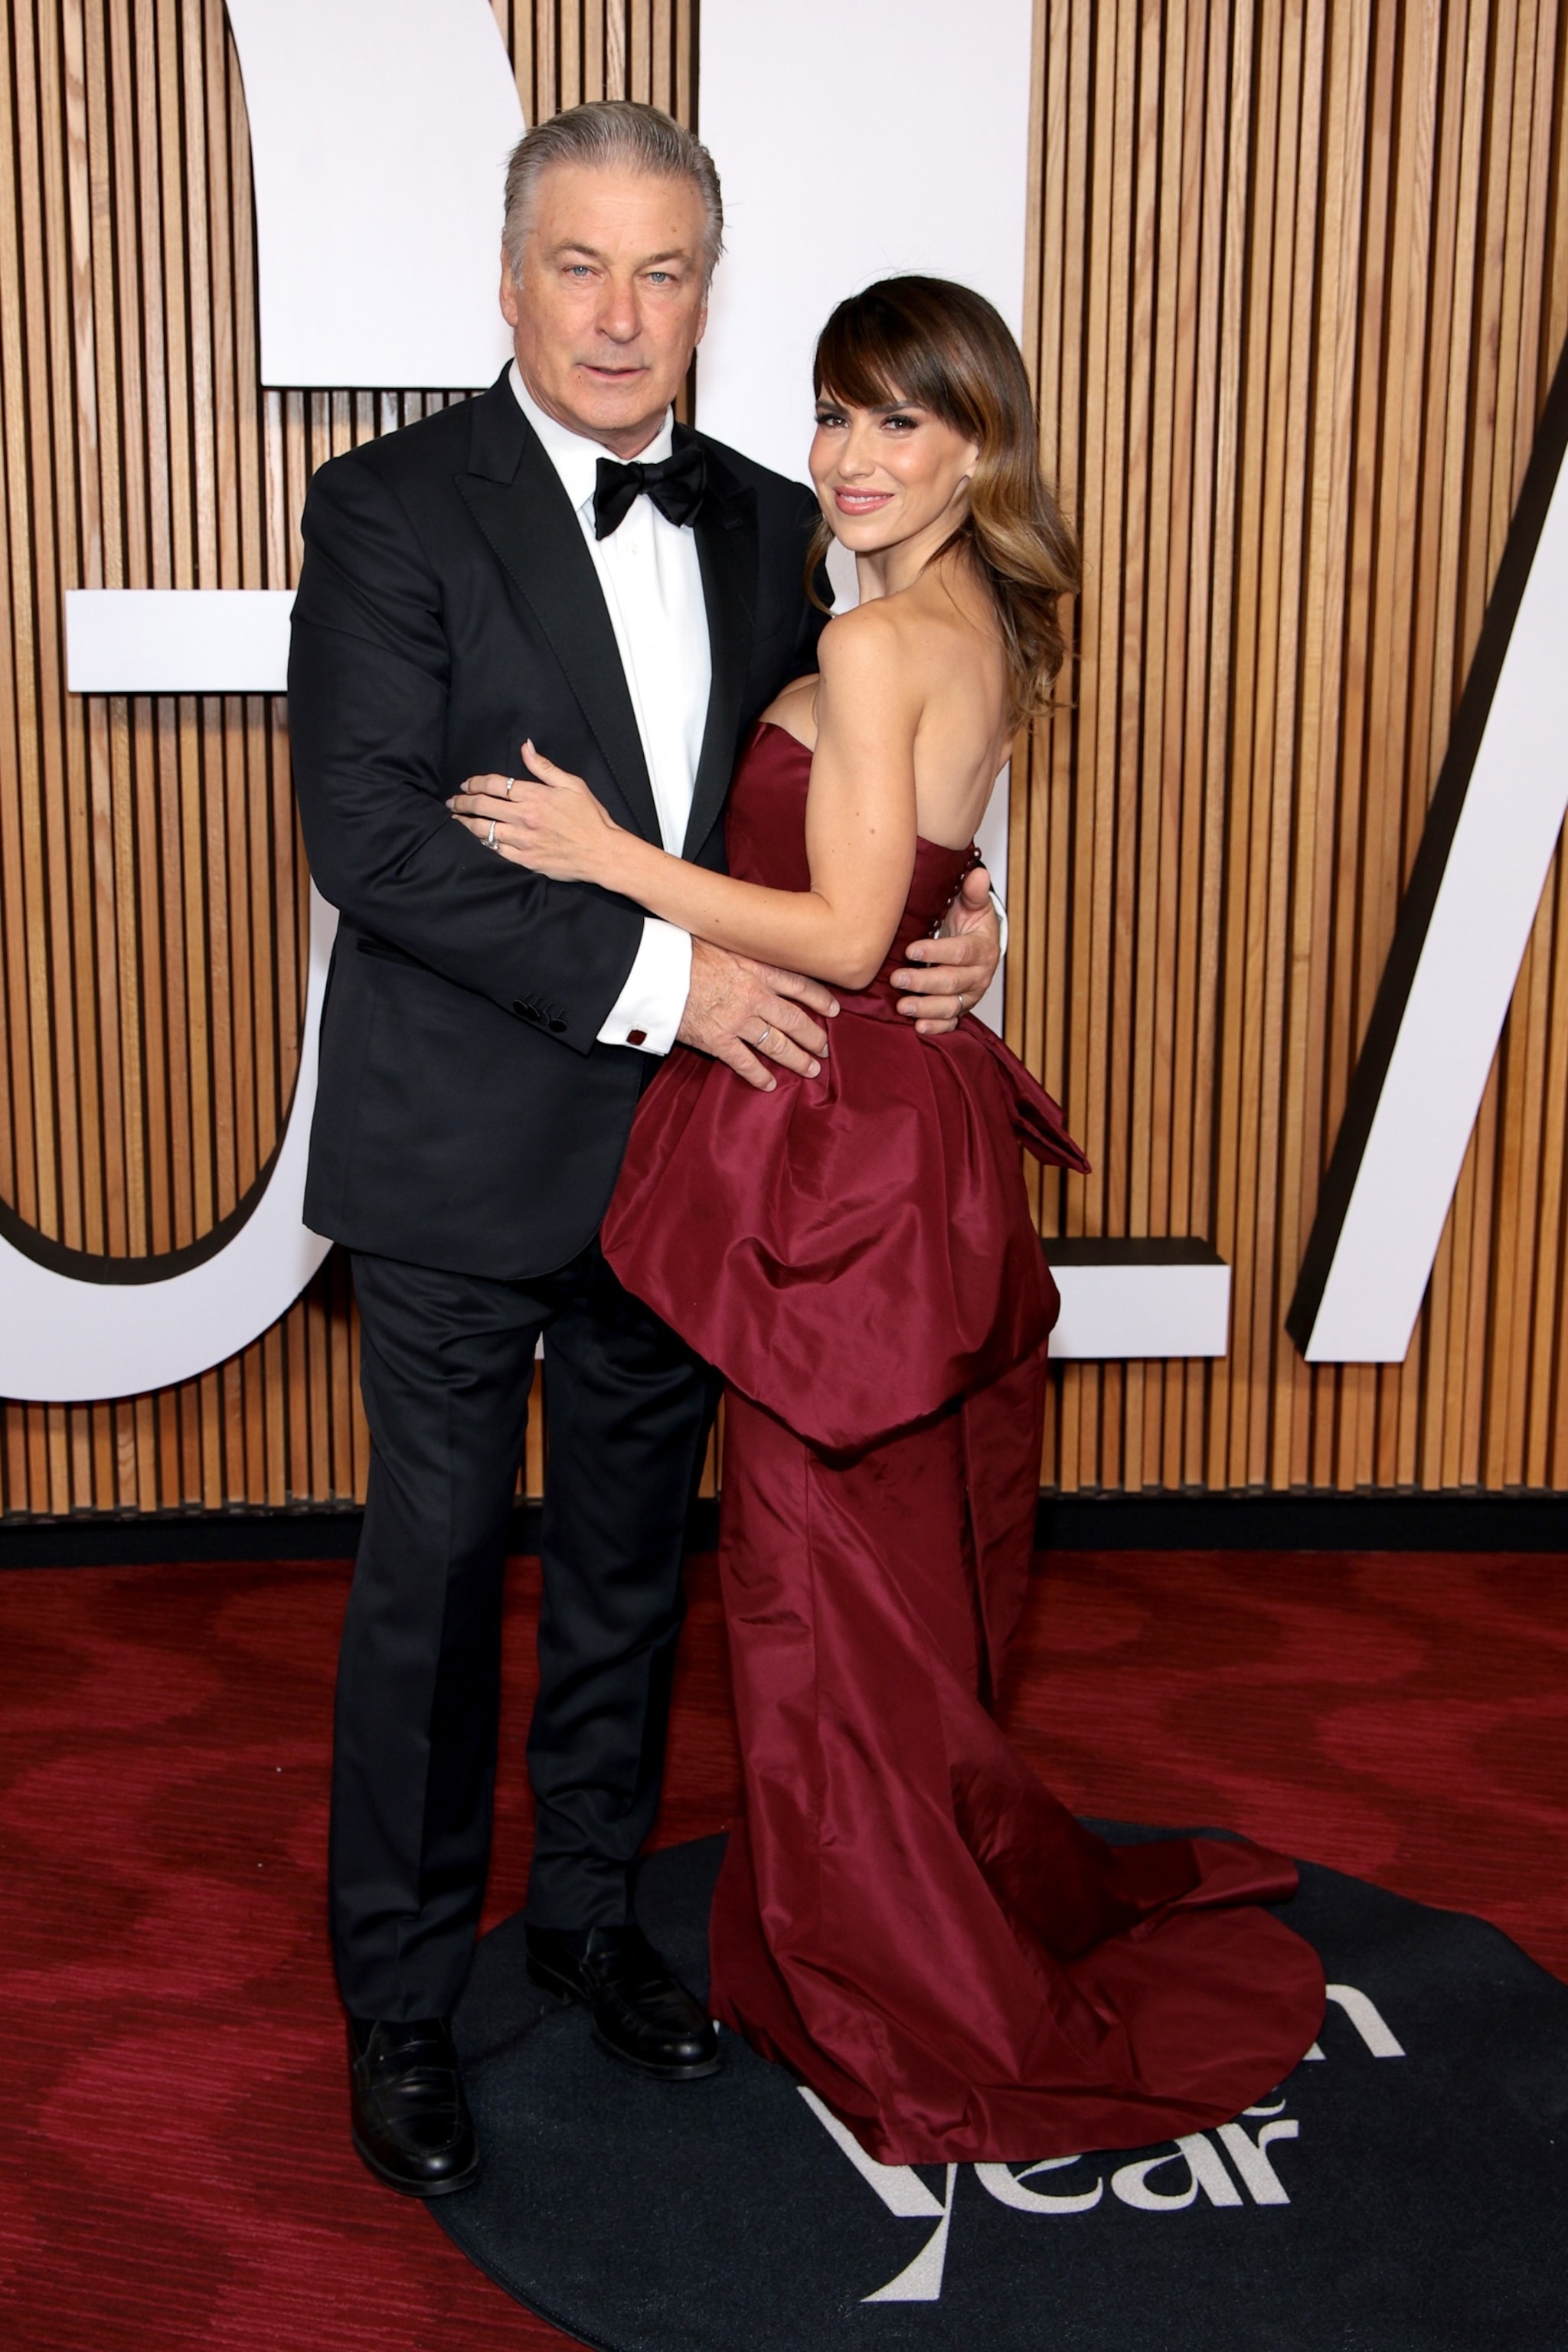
{"x":411,"y":2121}
{"x":641,"y":2014}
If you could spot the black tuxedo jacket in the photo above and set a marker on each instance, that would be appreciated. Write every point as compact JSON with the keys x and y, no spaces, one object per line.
{"x":447,"y":607}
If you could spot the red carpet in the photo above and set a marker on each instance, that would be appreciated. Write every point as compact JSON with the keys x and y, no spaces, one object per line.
{"x":179,"y":2167}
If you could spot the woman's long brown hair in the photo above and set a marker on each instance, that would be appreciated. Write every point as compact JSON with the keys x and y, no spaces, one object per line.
{"x":943,"y":347}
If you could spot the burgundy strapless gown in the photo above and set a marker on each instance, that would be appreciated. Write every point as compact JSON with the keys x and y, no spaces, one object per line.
{"x":906,"y":1917}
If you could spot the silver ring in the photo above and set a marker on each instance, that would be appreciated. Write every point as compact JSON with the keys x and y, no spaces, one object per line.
{"x":767,"y":1032}
{"x":490,"y":836}
{"x":510,"y":783}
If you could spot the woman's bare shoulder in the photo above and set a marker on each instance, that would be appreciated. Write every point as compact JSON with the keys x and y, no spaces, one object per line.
{"x":871,"y":647}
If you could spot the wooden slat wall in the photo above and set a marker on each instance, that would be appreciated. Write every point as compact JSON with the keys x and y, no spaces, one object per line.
{"x":1298,"y":277}
{"x":152,"y":884}
{"x":1299,"y":282}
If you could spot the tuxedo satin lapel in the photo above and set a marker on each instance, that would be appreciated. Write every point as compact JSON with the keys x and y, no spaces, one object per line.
{"x":727,"y":554}
{"x":514,"y":494}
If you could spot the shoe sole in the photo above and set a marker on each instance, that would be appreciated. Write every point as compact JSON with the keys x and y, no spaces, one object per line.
{"x":546,"y":1978}
{"x":422,"y":2189}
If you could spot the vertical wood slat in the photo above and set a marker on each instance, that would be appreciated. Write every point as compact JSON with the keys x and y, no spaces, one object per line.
{"x":1297,"y":280}
{"x":1374,"y":244}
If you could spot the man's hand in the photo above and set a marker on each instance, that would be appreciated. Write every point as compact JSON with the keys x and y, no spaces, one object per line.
{"x":738,"y":1010}
{"x":957,"y":967}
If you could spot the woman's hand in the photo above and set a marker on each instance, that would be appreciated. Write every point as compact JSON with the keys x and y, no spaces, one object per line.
{"x":553,"y":826}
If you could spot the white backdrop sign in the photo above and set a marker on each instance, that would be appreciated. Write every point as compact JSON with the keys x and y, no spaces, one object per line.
{"x":67,"y":1341}
{"x":1491,"y":831}
{"x":855,"y":140}
{"x":379,"y":134}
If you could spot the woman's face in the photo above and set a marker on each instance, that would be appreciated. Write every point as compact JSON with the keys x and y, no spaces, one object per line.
{"x":885,"y":475}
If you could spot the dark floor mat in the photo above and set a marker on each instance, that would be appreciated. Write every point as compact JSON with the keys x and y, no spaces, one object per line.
{"x":1405,"y":2193}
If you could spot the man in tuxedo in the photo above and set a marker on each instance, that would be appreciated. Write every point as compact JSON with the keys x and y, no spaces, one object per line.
{"x":553,"y":560}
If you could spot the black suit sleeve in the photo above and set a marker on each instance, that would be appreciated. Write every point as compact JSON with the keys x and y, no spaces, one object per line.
{"x":369,"y":675}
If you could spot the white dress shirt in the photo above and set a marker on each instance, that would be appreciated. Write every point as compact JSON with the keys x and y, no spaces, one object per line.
{"x":653,"y":588}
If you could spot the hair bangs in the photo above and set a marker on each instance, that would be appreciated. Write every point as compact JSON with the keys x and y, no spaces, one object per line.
{"x":873,"y":354}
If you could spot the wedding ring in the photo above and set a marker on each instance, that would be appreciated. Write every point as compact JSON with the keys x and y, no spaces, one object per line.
{"x":510,"y":782}
{"x":490,"y":836}
{"x":767,"y":1032}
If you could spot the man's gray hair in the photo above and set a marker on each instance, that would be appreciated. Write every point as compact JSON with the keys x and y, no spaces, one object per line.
{"x":608,"y":132}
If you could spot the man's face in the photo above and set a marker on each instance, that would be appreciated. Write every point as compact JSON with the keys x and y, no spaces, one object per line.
{"x":609,"y":303}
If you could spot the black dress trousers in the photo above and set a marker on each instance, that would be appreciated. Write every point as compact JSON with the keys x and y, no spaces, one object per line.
{"x":447,"y":1364}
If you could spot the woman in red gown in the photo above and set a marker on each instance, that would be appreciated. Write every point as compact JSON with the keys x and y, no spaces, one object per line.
{"x":906,"y":1917}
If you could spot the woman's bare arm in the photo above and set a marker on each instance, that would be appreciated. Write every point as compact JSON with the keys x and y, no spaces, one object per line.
{"x":859,"y":826}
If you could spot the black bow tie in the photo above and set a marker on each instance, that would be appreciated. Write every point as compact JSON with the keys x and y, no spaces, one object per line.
{"x":674,"y":485}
